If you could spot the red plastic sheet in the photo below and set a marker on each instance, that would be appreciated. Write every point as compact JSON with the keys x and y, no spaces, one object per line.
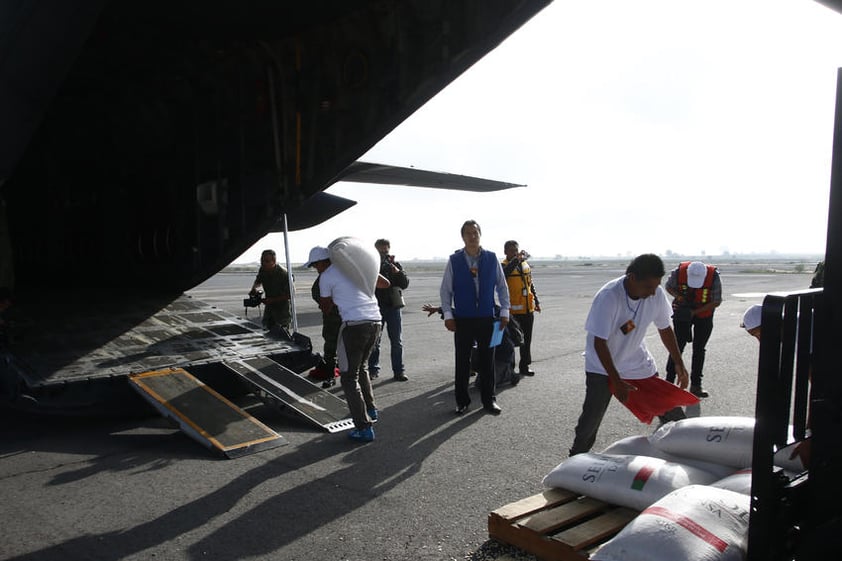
{"x":655,"y":396}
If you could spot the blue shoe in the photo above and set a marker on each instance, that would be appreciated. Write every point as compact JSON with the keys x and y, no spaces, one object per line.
{"x":373,"y":415}
{"x":362,"y":435}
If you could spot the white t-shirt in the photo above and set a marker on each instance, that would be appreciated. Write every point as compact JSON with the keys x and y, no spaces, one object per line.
{"x":611,"y":309}
{"x":353,"y":303}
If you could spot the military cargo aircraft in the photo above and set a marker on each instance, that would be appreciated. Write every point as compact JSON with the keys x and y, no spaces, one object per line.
{"x":146,"y":145}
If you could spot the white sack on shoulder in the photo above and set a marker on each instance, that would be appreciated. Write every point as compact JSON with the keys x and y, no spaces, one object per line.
{"x":360,"y":263}
{"x":640,"y":446}
{"x":721,"y":440}
{"x":632,"y":481}
{"x":696,"y":523}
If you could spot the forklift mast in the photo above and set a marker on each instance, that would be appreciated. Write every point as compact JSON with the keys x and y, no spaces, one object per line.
{"x":799,"y":386}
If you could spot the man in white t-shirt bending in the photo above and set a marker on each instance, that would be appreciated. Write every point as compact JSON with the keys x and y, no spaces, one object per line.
{"x":357,"y":336}
{"x":616,"y":354}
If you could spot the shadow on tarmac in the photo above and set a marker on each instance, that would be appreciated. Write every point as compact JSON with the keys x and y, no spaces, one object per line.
{"x":370,"y":472}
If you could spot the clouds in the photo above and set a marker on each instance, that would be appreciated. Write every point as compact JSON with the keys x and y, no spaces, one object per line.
{"x":638,"y":126}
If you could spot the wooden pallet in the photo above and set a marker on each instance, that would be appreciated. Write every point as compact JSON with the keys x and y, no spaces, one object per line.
{"x":558,"y":525}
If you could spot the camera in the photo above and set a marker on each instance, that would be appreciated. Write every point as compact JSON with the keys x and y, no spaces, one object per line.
{"x":254,"y":299}
{"x":524,"y":255}
{"x":387,"y":262}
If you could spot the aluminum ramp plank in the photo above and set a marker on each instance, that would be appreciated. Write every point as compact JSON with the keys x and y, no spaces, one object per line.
{"x":276,"y":383}
{"x":203,"y":414}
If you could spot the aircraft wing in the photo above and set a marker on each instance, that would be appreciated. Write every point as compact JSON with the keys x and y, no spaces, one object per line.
{"x":365,"y":172}
{"x":323,"y":206}
{"x":832,"y":4}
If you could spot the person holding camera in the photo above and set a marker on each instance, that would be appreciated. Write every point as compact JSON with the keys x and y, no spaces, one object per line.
{"x":274,"y":280}
{"x":697,"y":292}
{"x":390,"y":301}
{"x":523,"y":298}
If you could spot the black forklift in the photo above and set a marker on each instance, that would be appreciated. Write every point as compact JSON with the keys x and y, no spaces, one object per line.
{"x":799,"y":400}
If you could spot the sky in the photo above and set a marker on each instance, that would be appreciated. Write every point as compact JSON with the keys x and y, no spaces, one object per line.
{"x":654,"y":126}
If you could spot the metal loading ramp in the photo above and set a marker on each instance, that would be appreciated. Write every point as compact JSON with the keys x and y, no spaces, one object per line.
{"x":203,"y":414}
{"x":279,"y":386}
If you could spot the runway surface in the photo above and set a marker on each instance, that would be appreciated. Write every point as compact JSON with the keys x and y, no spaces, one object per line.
{"x":131,"y":489}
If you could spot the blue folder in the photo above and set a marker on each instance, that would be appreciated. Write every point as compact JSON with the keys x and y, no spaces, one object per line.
{"x":496,"y":335}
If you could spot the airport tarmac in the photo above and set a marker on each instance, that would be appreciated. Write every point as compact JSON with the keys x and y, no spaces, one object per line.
{"x":131,"y":489}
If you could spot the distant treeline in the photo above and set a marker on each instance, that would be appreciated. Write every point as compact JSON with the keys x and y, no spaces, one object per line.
{"x":741,"y":263}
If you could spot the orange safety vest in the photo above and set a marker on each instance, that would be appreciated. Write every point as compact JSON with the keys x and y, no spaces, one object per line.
{"x":521,"y":298}
{"x":700,"y":296}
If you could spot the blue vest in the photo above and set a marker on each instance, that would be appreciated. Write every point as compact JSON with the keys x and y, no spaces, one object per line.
{"x":466,"y":302}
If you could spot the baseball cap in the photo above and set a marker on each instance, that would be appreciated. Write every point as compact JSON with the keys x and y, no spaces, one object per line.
{"x":696,"y":273}
{"x":318,"y":253}
{"x":751,"y":317}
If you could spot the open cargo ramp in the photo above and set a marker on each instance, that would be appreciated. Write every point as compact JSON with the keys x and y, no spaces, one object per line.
{"x":203,"y":414}
{"x":277,"y":385}
{"x":79,"y":366}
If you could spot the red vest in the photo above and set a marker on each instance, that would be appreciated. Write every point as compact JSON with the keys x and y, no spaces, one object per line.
{"x":700,"y":296}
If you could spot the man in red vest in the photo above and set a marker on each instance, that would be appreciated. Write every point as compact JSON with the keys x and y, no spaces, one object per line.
{"x":696,"y":291}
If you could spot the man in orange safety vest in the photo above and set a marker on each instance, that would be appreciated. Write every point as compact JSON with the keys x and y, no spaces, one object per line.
{"x":697,"y":292}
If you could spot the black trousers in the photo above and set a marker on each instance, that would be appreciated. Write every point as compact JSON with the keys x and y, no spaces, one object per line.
{"x":526,"y":321}
{"x":468,"y":331}
{"x":597,"y":398}
{"x":698,"y":331}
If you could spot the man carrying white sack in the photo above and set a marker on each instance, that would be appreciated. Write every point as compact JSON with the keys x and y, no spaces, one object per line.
{"x":617,"y":361}
{"x":359,"y":331}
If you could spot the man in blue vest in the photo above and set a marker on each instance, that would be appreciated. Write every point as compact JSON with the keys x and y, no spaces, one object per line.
{"x":471,"y":278}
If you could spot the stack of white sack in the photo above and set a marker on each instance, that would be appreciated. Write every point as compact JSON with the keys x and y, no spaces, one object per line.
{"x":695,"y":523}
{"x":720,"y":440}
{"x":358,"y":261}
{"x":724,"y":440}
{"x":641,"y":446}
{"x":727,"y":441}
{"x":632,"y":481}
{"x":739,"y":482}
